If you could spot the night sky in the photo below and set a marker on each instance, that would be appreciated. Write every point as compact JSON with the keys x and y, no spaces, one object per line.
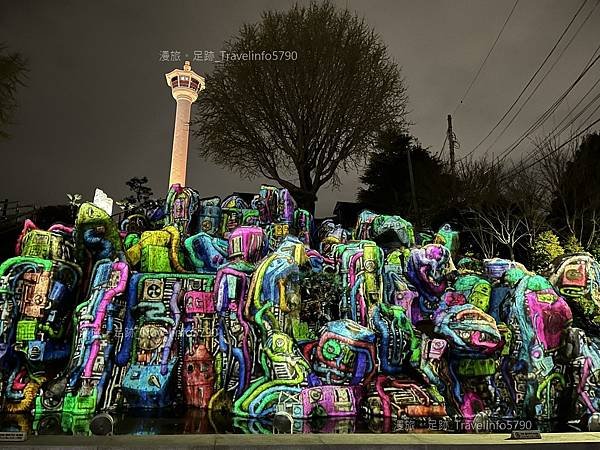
{"x":97,"y":111}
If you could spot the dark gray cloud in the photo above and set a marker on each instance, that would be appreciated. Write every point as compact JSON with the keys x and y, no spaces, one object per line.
{"x":97,"y":110}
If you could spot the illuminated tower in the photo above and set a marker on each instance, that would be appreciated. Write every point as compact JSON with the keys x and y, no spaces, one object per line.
{"x":185,"y":85}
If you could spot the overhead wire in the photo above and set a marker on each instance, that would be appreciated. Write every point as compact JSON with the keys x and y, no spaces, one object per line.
{"x":486,"y":57}
{"x":539,"y":83}
{"x":480,"y":69}
{"x":514,"y":103}
{"x":550,"y":110}
{"x":521,"y":169}
{"x":583,"y":97}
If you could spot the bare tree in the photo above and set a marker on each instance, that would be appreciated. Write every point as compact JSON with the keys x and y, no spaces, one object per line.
{"x":496,"y":208}
{"x":312,"y":113}
{"x":552,"y":166}
{"x":479,"y":181}
{"x":505,"y":224}
{"x":510,"y":204}
{"x":531,"y":199}
{"x":479,"y":233}
{"x":570,"y":176}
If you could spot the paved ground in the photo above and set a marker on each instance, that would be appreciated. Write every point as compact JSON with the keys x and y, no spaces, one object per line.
{"x":564,"y":441}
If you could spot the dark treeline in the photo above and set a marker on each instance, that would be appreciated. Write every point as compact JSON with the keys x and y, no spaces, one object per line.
{"x":531,"y":210}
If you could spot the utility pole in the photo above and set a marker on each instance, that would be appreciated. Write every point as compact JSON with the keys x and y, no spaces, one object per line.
{"x":451,"y":142}
{"x":412,"y":183}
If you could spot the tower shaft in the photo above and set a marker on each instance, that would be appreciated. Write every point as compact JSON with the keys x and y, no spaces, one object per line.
{"x":181,"y":136}
{"x":185,"y":85}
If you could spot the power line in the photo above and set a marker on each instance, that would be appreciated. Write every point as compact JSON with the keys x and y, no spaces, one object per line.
{"x":486,"y":57}
{"x":578,"y":115}
{"x":576,"y":105}
{"x":550,"y":153}
{"x":530,"y":80}
{"x":588,"y":117}
{"x":540,"y":121}
{"x":539,"y":83}
{"x":479,"y":70}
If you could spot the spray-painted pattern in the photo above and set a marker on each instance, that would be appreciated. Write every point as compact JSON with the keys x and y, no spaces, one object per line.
{"x":249,"y":308}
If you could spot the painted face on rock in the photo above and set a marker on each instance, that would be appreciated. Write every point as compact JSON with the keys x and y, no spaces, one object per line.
{"x":468,"y":329}
{"x":433,"y":267}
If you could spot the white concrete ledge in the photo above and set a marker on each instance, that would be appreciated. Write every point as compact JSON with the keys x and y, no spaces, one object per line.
{"x":565,"y":441}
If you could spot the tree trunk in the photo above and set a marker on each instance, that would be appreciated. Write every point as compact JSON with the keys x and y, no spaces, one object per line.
{"x":305,"y":200}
